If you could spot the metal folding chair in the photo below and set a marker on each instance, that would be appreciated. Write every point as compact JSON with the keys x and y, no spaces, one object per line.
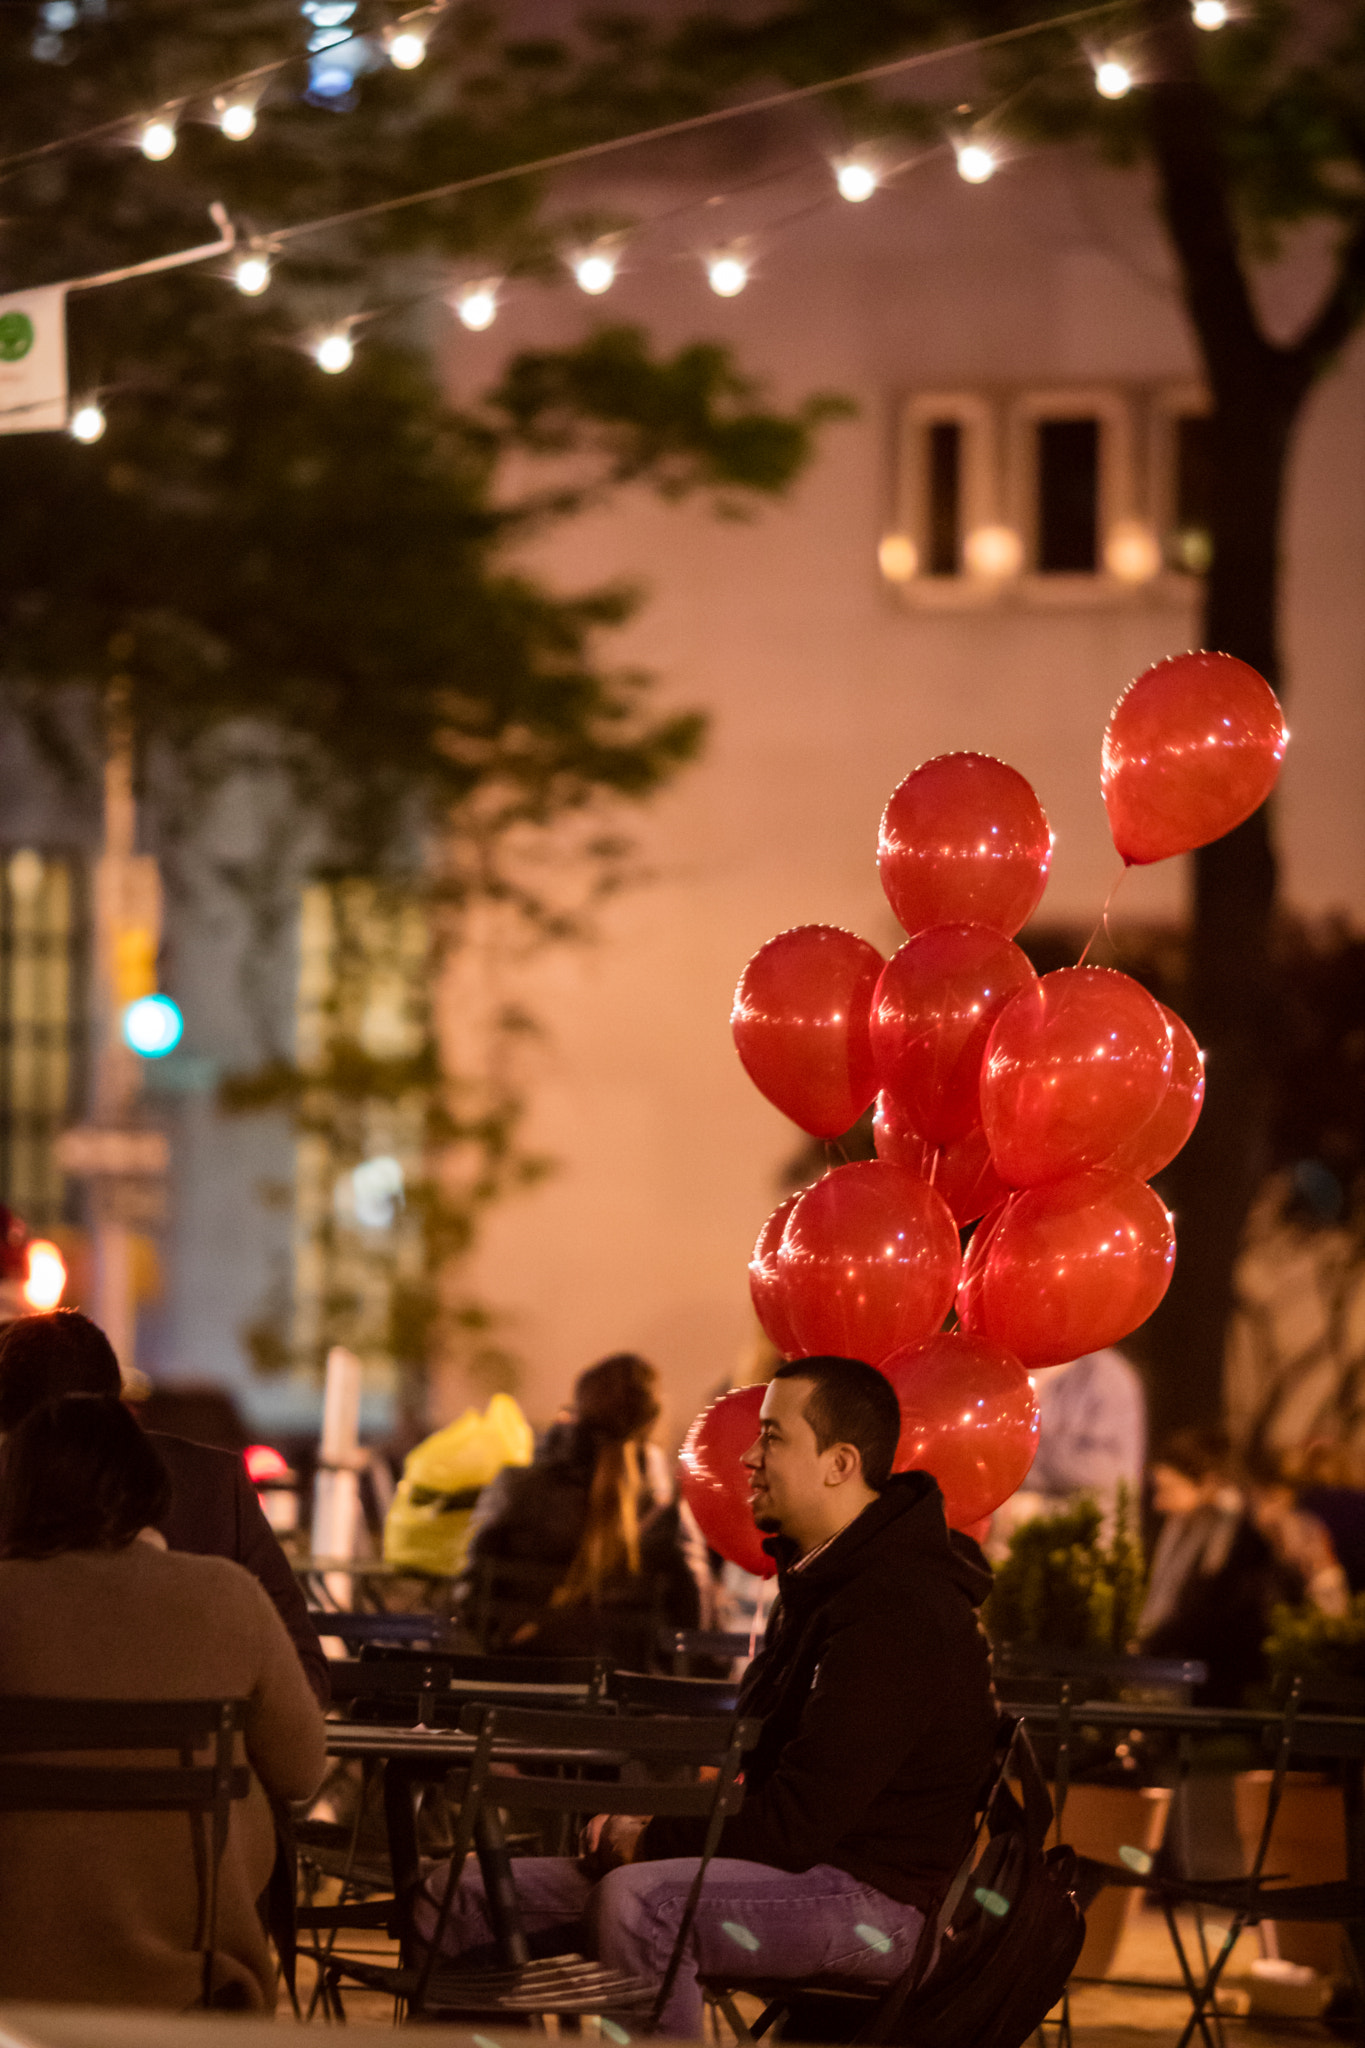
{"x":38,"y":1727}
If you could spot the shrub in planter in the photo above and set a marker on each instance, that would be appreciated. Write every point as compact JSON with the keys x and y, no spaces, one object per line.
{"x":1063,"y":1586}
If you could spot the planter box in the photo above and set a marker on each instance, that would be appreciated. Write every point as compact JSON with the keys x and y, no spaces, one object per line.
{"x":1098,"y":1821}
{"x":1308,"y":1845}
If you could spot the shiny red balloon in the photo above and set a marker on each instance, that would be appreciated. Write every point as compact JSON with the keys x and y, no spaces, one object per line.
{"x":974,"y":1268}
{"x":716,"y":1486}
{"x":1075,"y":1065}
{"x":961,"y":1171}
{"x":800,"y":1022}
{"x":1192,"y":747}
{"x":898,"y":1140}
{"x":1072,"y":1267}
{"x":931,"y":1016}
{"x":964,"y":841}
{"x":868,"y":1263}
{"x":969,"y":1416}
{"x":1175,"y":1116}
{"x":765,"y":1286}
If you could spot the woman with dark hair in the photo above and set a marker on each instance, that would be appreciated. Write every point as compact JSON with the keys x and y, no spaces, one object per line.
{"x":583,"y":1552}
{"x":101,"y":1908}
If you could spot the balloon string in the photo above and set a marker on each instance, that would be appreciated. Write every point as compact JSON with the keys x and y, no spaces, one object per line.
{"x":1103,"y":925}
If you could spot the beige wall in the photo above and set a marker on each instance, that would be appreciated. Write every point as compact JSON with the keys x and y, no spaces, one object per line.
{"x":824,"y":690}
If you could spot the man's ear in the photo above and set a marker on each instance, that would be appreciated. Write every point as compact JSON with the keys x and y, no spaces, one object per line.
{"x":845,"y":1463}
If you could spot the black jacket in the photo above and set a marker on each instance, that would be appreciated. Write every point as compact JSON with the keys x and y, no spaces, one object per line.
{"x":879,"y":1717}
{"x":214,"y":1511}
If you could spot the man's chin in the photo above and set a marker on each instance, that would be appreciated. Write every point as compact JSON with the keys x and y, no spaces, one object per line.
{"x":768,"y":1523}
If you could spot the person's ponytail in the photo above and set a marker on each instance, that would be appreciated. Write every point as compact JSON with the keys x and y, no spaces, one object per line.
{"x":618,"y":1401}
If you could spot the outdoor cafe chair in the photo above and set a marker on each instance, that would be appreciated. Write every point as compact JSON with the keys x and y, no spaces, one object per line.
{"x":32,"y":1726}
{"x":427,"y":1983}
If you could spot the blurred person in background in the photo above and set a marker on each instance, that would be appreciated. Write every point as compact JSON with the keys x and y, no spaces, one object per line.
{"x":1300,"y":1540}
{"x":1092,"y":1438}
{"x":1214,"y":1576}
{"x":1329,"y":1487}
{"x":585,"y":1552}
{"x":102,"y":1908}
{"x":212,"y":1508}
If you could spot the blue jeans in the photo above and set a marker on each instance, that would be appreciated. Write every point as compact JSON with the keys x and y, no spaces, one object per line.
{"x":752,"y":1920}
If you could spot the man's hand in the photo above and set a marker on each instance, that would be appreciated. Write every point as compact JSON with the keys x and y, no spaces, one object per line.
{"x":611,"y":1839}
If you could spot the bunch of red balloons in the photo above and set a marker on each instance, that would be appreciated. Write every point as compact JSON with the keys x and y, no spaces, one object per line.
{"x":1035,"y":1107}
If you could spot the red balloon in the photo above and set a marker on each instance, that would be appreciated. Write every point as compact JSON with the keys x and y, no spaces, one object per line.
{"x":765,"y":1287}
{"x":974,"y":1268}
{"x":1072,"y":1267}
{"x":931,"y":1016}
{"x":869,"y":1261}
{"x":716,"y":1486}
{"x":961,"y":1171}
{"x":964,"y":841}
{"x":800,"y":1024}
{"x":1192,"y":747}
{"x":1170,"y":1124}
{"x":969,"y":1416}
{"x":1074,"y":1066}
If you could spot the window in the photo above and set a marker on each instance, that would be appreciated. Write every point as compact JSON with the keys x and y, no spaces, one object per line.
{"x":1066,"y":523}
{"x":41,"y":1027}
{"x":944,"y":511}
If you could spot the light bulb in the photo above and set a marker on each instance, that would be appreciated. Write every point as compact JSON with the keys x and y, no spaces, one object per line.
{"x":975,"y":163}
{"x":477,"y":306}
{"x":87,"y":422}
{"x":252,"y":273}
{"x":1211,"y":14}
{"x":898,"y":558}
{"x":1113,"y":79}
{"x":727,"y":274}
{"x":45,"y":1282}
{"x":595,"y":272}
{"x":335,"y":352}
{"x":856,"y":181}
{"x":993,"y":553}
{"x":156,"y":139}
{"x":1132,"y":553}
{"x":238,"y":120}
{"x":407,"y":48}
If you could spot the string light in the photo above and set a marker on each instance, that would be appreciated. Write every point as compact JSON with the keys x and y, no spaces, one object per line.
{"x":594,"y":271}
{"x":856,"y":179}
{"x":1113,"y":79}
{"x":407,"y":47}
{"x":993,"y":552}
{"x":334,"y":352}
{"x":87,"y":422}
{"x":1132,"y":552}
{"x":898,"y":558}
{"x":1211,"y":14}
{"x":251,"y":273}
{"x":727,"y":273}
{"x":156,"y":138}
{"x":976,"y":163}
{"x":477,"y":305}
{"x":237,"y":119}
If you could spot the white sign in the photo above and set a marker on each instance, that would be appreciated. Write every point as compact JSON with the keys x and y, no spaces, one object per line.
{"x":93,"y":1150}
{"x":33,"y":361}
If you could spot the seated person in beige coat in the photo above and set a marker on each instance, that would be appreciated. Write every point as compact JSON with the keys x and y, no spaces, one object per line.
{"x":101,"y":1908}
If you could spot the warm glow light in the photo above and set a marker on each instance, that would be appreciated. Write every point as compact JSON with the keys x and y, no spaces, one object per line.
{"x":45,"y":1282}
{"x":897,"y":557}
{"x":407,"y":48}
{"x":335,"y":352}
{"x":157,"y":140}
{"x":595,"y":271}
{"x":976,"y":163}
{"x":87,"y":422}
{"x":264,"y":1463}
{"x":1210,"y":13}
{"x":1132,"y":552}
{"x":856,"y":180}
{"x":993,"y":552}
{"x":1113,"y":79}
{"x":152,"y":1026}
{"x":477,"y":306}
{"x":238,"y":120}
{"x":727,"y":273}
{"x":251,"y":273}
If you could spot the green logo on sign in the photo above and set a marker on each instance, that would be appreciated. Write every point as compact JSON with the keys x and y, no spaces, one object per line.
{"x":16,"y":336}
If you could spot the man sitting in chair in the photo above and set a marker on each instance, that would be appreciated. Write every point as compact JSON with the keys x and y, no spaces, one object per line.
{"x":879,"y":1723}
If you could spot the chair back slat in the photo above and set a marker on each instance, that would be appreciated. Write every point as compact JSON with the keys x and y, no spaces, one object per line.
{"x":33,"y":1723}
{"x":117,"y":1788}
{"x":684,"y":1738}
{"x":590,"y":1672}
{"x":643,"y":1692}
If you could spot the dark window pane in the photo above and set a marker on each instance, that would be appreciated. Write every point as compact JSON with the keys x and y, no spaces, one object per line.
{"x":1068,"y":496}
{"x":945,"y":498}
{"x":1188,"y":544}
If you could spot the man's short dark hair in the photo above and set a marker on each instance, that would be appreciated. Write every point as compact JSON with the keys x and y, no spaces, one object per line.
{"x":44,"y":1357}
{"x":850,"y":1402}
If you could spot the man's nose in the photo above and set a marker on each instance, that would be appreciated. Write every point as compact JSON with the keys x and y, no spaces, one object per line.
{"x":753,"y":1457}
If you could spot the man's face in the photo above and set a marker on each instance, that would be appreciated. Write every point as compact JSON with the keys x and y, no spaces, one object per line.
{"x":787,"y":1469}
